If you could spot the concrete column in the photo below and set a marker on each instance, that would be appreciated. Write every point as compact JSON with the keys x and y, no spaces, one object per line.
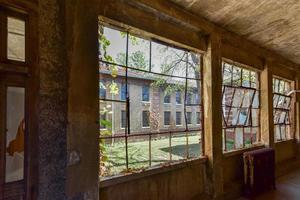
{"x":53,"y":95}
{"x":83,"y":102}
{"x":297,"y":113}
{"x":266,"y":102}
{"x":212,"y":93}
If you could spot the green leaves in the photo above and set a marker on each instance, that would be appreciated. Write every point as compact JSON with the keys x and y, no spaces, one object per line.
{"x":114,"y":89}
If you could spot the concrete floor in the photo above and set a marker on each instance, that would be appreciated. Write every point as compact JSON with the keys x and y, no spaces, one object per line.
{"x":287,"y":188}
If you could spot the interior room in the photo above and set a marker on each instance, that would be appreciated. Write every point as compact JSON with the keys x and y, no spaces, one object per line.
{"x":149,"y":100}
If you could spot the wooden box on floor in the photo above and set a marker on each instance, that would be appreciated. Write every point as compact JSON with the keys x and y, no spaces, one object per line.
{"x":259,"y":171}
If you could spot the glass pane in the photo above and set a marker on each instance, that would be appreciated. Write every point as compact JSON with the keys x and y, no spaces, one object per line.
{"x":15,"y":125}
{"x":236,"y":76}
{"x":194,"y":139}
{"x":160,"y":149}
{"x":112,"y":118}
{"x":15,"y":39}
{"x":138,"y":53}
{"x":168,"y":60}
{"x":112,"y":45}
{"x":112,"y":156}
{"x":194,"y":66}
{"x":227,"y":74}
{"x":138,"y":152}
{"x":239,"y":138}
{"x":179,"y":146}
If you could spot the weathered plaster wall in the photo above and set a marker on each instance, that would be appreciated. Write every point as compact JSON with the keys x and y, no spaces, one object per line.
{"x":183,"y":183}
{"x":83,"y":143}
{"x":52,"y":110}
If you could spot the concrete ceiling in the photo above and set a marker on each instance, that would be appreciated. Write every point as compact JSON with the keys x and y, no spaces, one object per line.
{"x":273,"y":24}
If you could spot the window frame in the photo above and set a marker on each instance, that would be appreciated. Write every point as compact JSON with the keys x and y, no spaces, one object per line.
{"x":200,"y":131}
{"x":14,"y":64}
{"x":169,"y":120}
{"x":289,"y":111}
{"x":241,"y":86}
{"x":180,"y":120}
{"x":180,"y":98}
{"x":148,"y":116}
{"x":148,"y":94}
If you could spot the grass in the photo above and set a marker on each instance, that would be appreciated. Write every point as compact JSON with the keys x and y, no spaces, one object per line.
{"x":139,"y":154}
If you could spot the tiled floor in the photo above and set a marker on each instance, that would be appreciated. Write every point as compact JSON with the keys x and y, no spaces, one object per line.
{"x":287,"y":188}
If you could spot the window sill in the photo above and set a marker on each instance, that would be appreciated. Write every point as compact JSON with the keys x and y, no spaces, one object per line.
{"x":241,"y":151}
{"x":284,"y":141}
{"x":110,"y":181}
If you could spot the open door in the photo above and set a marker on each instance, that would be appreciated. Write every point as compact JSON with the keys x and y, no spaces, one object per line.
{"x":12,"y":138}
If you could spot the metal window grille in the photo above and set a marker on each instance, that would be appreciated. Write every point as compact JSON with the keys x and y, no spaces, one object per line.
{"x":240,"y":107}
{"x":282,"y":109}
{"x":110,"y":70}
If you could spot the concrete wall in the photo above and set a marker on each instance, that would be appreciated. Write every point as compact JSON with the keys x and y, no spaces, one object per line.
{"x":179,"y":182}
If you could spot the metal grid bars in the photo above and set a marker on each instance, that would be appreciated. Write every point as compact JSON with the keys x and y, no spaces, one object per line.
{"x":240,"y":107}
{"x":136,"y":62}
{"x":282,"y":109}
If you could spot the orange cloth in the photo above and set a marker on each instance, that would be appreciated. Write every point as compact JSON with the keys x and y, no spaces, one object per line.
{"x":17,"y":145}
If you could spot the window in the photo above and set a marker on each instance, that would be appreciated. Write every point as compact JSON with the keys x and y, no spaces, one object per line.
{"x":282,"y":109}
{"x":102,"y":90}
{"x":167,"y":98}
{"x":145,"y":93}
{"x":128,"y":59}
{"x":189,"y":98}
{"x":189,"y":117}
{"x":167,"y":116}
{"x":240,"y":106}
{"x":123,"y":92}
{"x":178,"y":97}
{"x":178,"y":118}
{"x":15,"y":39}
{"x":198,"y":119}
{"x":123,"y":119}
{"x":146,"y":122}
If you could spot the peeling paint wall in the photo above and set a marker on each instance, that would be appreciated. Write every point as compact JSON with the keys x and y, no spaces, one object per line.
{"x":178,"y":184}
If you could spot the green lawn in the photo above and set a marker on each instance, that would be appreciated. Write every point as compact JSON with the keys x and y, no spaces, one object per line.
{"x":139,"y":156}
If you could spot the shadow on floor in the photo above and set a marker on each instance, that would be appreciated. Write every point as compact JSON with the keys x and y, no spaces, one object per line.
{"x":287,"y":188}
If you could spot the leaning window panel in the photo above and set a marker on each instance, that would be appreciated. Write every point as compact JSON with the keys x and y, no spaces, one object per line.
{"x":282,"y":109}
{"x":150,"y":102}
{"x":240,"y":107}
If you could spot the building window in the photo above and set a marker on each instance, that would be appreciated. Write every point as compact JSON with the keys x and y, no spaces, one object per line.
{"x":178,"y":97}
{"x":146,"y":122}
{"x":178,"y":119}
{"x":167,"y":98}
{"x":149,"y":67}
{"x":167,"y":117}
{"x":189,"y":98}
{"x":145,"y":93}
{"x":123,"y":92}
{"x":189,"y":117}
{"x":102,"y":90}
{"x":198,"y":119}
{"x":240,"y":103}
{"x":123,"y":119}
{"x":282,"y":109}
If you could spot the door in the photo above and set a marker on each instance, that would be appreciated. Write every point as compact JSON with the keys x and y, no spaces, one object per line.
{"x":12,"y":126}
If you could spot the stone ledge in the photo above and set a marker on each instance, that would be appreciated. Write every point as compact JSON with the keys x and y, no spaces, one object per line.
{"x":107,"y":182}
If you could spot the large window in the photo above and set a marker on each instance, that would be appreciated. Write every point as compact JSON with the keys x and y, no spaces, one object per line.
{"x":146,"y":93}
{"x":167,"y":117}
{"x":282,"y":109}
{"x":146,"y":122}
{"x":141,"y":130}
{"x":240,"y":106}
